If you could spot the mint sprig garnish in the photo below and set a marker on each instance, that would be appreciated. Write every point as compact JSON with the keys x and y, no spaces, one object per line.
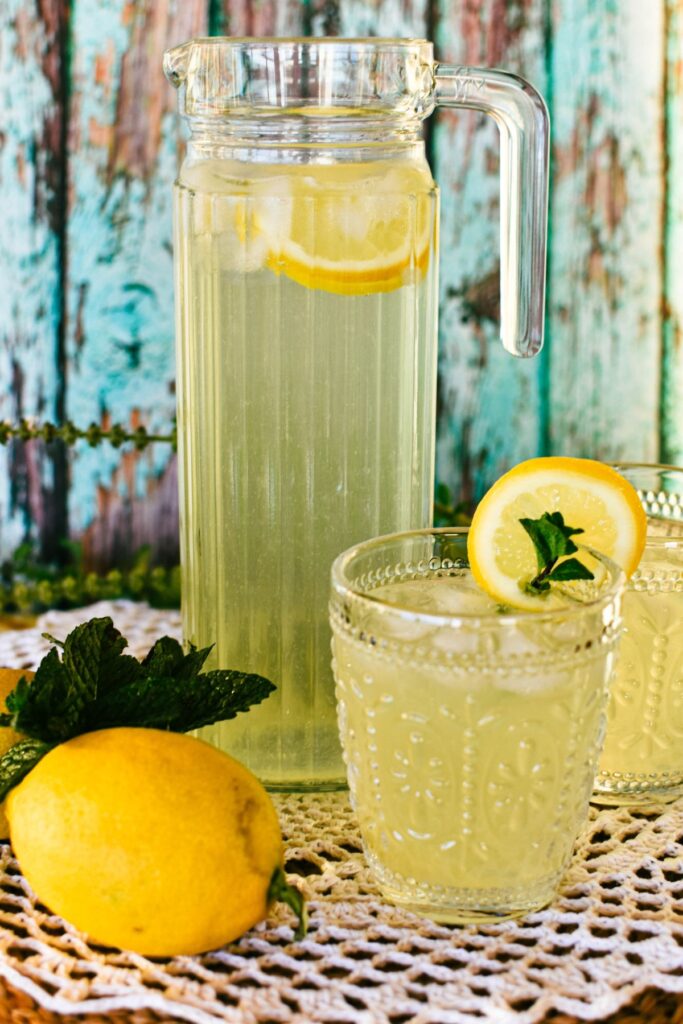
{"x":552,"y":540}
{"x":94,"y":685}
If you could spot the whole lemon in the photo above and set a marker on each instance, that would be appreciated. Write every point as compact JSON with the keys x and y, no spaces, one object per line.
{"x":9,"y":677}
{"x":147,"y":840}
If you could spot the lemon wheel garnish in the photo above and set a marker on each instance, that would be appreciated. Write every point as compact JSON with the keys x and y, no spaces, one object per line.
{"x":590,"y":496}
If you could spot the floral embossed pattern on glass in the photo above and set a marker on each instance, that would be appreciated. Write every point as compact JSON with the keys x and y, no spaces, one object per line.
{"x":470,"y":734}
{"x":642,"y":759}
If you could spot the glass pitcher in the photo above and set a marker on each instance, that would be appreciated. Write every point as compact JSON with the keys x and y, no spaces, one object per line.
{"x":306,"y":294}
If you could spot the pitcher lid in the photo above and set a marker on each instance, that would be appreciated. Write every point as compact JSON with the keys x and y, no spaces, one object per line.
{"x":224,"y":76}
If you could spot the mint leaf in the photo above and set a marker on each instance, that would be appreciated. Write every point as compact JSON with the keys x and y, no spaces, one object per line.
{"x":167,"y":658}
{"x":53,"y":707}
{"x":18,"y":761}
{"x":179,"y":704}
{"x":551,"y":538}
{"x":94,"y":685}
{"x":572,"y":569}
{"x":94,"y":659}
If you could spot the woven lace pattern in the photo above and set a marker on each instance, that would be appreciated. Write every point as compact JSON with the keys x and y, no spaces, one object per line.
{"x":615,"y":929}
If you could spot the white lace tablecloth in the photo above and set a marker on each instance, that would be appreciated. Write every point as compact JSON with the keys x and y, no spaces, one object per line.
{"x":615,"y":929}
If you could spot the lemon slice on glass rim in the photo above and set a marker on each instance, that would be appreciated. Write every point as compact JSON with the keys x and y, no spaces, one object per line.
{"x":590,"y":495}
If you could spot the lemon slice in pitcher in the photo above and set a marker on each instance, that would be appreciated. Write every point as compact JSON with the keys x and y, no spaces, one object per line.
{"x":356,"y":229}
{"x":591,"y":496}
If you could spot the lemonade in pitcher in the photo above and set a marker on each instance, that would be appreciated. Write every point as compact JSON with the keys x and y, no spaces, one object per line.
{"x":342,"y":256}
{"x":306,"y":280}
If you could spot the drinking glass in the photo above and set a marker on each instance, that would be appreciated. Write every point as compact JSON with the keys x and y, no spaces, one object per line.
{"x":642,"y":759}
{"x":470,"y":733}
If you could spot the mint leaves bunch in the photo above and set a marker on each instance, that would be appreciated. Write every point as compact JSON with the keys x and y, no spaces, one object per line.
{"x":94,"y":685}
{"x":552,"y":540}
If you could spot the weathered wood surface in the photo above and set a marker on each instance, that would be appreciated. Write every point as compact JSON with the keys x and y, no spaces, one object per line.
{"x":86,"y":311}
{"x":671,"y":423}
{"x":490,"y":406}
{"x":124,"y":137}
{"x":604,"y":309}
{"x":32,"y":182}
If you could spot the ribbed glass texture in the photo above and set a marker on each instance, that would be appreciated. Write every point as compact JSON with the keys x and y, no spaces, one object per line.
{"x":306,"y":412}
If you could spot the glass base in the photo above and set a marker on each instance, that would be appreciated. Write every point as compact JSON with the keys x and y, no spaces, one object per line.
{"x":455,"y":905}
{"x":632,"y":789}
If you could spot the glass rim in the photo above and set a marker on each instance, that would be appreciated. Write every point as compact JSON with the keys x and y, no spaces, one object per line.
{"x":324,"y":42}
{"x":345,"y":589}
{"x":667,"y":467}
{"x":652,"y":541}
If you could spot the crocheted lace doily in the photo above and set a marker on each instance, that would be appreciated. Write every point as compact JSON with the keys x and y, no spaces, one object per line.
{"x":615,"y":929}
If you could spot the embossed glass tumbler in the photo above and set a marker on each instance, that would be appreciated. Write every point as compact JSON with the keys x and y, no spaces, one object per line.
{"x":642,"y":760}
{"x":470,"y":734}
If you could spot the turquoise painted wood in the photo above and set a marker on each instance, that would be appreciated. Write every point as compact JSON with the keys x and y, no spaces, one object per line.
{"x":604,"y":311}
{"x":671,"y":424}
{"x":88,"y":147}
{"x":491,"y":406}
{"x":120,"y":279}
{"x":32,"y":479}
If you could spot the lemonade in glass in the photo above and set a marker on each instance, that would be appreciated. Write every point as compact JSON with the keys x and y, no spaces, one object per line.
{"x":471,"y":732}
{"x":642,"y":759}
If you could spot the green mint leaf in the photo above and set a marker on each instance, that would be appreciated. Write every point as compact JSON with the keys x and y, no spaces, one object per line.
{"x":171,"y":703}
{"x":18,"y":761}
{"x":94,"y":685}
{"x":15,"y":701}
{"x":93,"y":657}
{"x":167,"y":658}
{"x":550,"y":537}
{"x":53,"y":706}
{"x":44,"y":709}
{"x":557,"y":519}
{"x":571,"y":569}
{"x":537,"y":532}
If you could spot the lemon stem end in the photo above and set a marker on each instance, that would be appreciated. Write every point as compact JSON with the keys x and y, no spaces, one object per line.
{"x":282,"y":891}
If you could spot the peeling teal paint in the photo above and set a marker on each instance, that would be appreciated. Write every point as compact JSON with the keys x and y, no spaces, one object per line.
{"x":604,"y":298}
{"x":671,"y":421}
{"x":490,"y":405}
{"x":120,"y":342}
{"x":29,"y":265}
{"x":609,"y":382}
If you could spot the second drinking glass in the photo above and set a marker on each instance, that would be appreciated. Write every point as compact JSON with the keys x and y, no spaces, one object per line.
{"x":642,"y":759}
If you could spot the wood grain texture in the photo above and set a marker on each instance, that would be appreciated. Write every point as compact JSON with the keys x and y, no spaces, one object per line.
{"x":32,"y":476}
{"x":261,"y":18}
{"x":671,"y":422}
{"x":125,"y":137}
{"x":606,"y":274}
{"x":490,"y":408}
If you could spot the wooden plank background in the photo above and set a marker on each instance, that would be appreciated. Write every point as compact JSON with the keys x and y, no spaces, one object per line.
{"x":88,"y":147}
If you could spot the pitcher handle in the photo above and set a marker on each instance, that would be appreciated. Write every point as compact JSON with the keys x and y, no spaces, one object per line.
{"x":522,"y":119}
